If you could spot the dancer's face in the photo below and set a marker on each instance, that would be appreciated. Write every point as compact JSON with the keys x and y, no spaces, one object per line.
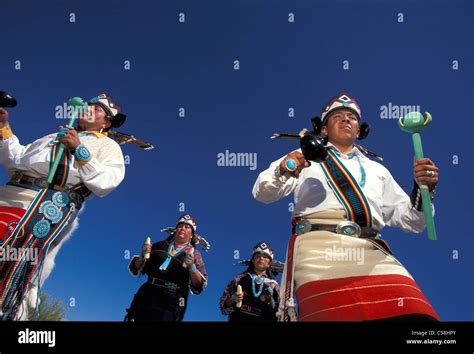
{"x":183,"y":234}
{"x":261,"y":262}
{"x":342,"y":127}
{"x":94,"y":119}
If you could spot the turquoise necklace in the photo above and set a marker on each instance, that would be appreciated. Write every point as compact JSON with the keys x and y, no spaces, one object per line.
{"x":361,"y":168}
{"x":172,"y":253}
{"x":257,"y":280}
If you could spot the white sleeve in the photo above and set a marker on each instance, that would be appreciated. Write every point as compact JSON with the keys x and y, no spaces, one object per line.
{"x":268,"y":188}
{"x":101,"y":175}
{"x":398,"y":210}
{"x":10,"y":149}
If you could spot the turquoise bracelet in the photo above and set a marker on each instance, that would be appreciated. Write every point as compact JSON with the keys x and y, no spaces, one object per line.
{"x":82,"y":153}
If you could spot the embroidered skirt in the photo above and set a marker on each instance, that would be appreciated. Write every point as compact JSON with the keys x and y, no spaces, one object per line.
{"x":343,"y":278}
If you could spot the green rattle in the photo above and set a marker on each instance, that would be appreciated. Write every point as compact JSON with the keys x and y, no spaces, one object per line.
{"x":78,"y":105}
{"x":413,"y":123}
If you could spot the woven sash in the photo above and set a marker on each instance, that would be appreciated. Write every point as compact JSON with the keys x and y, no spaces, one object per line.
{"x":347,"y":190}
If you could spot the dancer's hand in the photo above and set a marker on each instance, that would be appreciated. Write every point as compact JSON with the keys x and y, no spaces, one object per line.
{"x":297,"y":160}
{"x":146,"y":250}
{"x":189,"y":259}
{"x":426,"y":173}
{"x":237,"y":297}
{"x":70,"y":138}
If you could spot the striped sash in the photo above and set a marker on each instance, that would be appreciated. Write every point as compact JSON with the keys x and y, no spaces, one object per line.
{"x":347,"y":190}
{"x":61,"y":175}
{"x":35,"y":231}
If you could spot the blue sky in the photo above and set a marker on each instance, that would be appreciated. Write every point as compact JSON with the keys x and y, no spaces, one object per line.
{"x":282,"y":65}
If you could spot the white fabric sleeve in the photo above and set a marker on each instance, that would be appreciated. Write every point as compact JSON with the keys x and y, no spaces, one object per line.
{"x":102,"y":174}
{"x":398,"y":210}
{"x":268,"y":188}
{"x":11,"y":150}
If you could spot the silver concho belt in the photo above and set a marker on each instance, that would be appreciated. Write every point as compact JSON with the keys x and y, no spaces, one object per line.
{"x":346,"y":228}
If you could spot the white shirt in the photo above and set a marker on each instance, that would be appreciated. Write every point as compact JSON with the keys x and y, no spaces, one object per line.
{"x":101,"y":175}
{"x":389,"y":204}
